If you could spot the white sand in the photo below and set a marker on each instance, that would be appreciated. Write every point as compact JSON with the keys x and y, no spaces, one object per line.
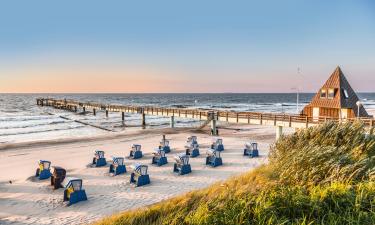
{"x":27,"y":201}
{"x":371,"y":111}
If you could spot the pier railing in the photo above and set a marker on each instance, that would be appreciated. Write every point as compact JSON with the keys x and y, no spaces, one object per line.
{"x":275,"y":119}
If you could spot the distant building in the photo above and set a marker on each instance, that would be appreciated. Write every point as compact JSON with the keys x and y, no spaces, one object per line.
{"x":335,"y":99}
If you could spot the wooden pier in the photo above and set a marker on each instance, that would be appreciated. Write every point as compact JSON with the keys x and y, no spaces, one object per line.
{"x":209,"y":116}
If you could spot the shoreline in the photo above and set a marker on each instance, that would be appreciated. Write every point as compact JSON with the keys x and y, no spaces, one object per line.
{"x":118,"y":135}
{"x":71,"y":140}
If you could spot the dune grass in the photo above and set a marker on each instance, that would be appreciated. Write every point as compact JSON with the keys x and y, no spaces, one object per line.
{"x":320,"y":175}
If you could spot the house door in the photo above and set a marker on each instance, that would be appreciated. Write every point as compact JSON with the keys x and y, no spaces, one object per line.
{"x":344,"y":114}
{"x":316,"y":114}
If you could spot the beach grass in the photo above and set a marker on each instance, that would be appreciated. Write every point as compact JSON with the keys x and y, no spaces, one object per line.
{"x":319,"y":175}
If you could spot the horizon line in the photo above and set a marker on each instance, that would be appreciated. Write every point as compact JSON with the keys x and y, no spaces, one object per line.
{"x":44,"y":93}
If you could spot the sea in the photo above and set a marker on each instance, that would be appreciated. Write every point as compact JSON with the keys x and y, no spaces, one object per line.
{"x":21,"y":120}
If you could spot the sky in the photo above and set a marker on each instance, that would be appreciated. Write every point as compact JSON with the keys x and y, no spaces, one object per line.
{"x":184,"y":46}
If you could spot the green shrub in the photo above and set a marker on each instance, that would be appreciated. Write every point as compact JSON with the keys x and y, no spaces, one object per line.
{"x":324,"y":154}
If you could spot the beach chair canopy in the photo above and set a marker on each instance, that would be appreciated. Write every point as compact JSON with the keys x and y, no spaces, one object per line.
{"x":99,"y":153}
{"x":182,"y":159}
{"x":58,"y":171}
{"x":118,"y":160}
{"x":159,"y":152}
{"x":140,"y":169}
{"x":164,"y":143}
{"x":251,"y":145}
{"x":45,"y":164}
{"x":136,"y":147}
{"x":218,"y":141}
{"x":192,"y":138}
{"x":72,"y":182}
{"x":212,"y":152}
{"x":254,"y":145}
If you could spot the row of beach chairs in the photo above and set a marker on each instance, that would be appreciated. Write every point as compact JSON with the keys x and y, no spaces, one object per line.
{"x":73,"y":191}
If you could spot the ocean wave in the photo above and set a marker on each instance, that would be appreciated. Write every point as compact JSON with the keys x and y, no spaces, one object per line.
{"x":32,"y":125}
{"x":222,"y":107}
{"x":39,"y":131}
{"x":179,"y":106}
{"x":24,"y":118}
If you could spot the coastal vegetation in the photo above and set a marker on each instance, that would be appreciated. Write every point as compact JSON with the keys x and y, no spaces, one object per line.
{"x":319,"y":175}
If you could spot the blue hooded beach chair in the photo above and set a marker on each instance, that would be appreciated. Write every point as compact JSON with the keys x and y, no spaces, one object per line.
{"x":164,"y":145}
{"x":192,"y":150}
{"x":218,"y":144}
{"x":182,"y":165}
{"x":117,"y":167}
{"x":43,"y":170}
{"x":139,"y":175}
{"x":135,"y":152}
{"x":99,"y":159}
{"x":251,"y":149}
{"x":159,"y":157}
{"x":213,"y":158}
{"x":73,"y":190}
{"x":192,"y":147}
{"x":192,"y":140}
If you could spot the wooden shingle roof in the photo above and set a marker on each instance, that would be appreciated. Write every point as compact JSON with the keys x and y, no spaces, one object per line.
{"x":340,"y":84}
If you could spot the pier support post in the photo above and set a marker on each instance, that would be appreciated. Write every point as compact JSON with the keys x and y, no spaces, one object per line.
{"x":94,"y":111}
{"x":172,"y":121}
{"x":122,"y":116}
{"x":279,"y":132}
{"x":84,"y":109}
{"x":213,"y":127}
{"x":106,"y":113}
{"x":143,"y":119}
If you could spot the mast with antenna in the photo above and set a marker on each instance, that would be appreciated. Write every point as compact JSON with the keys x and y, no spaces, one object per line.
{"x":299,"y":73}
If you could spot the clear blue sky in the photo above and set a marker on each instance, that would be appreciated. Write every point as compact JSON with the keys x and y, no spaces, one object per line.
{"x":184,"y":46}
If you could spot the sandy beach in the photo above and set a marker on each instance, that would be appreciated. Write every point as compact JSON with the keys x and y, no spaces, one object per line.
{"x":27,"y":200}
{"x":78,"y":77}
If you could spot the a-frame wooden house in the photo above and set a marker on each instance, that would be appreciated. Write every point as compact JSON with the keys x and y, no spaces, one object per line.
{"x":336,"y":99}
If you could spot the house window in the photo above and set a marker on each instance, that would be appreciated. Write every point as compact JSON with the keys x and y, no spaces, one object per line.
{"x":346,"y":95}
{"x":323,"y":93}
{"x":331,"y":93}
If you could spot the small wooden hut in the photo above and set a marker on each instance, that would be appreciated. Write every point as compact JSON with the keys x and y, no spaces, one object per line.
{"x":335,"y":99}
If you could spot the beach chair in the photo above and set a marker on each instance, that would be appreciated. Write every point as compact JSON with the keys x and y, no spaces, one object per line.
{"x":139,"y":175}
{"x":73,"y":190}
{"x":117,"y":167}
{"x":192,"y":140}
{"x":213,"y":158}
{"x":192,"y":149}
{"x":58,"y":176}
{"x":99,"y":159}
{"x":43,"y":170}
{"x":217,"y":144}
{"x":182,"y":165}
{"x":135,"y":152}
{"x":251,"y":149}
{"x":159,"y":157}
{"x":164,"y":145}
